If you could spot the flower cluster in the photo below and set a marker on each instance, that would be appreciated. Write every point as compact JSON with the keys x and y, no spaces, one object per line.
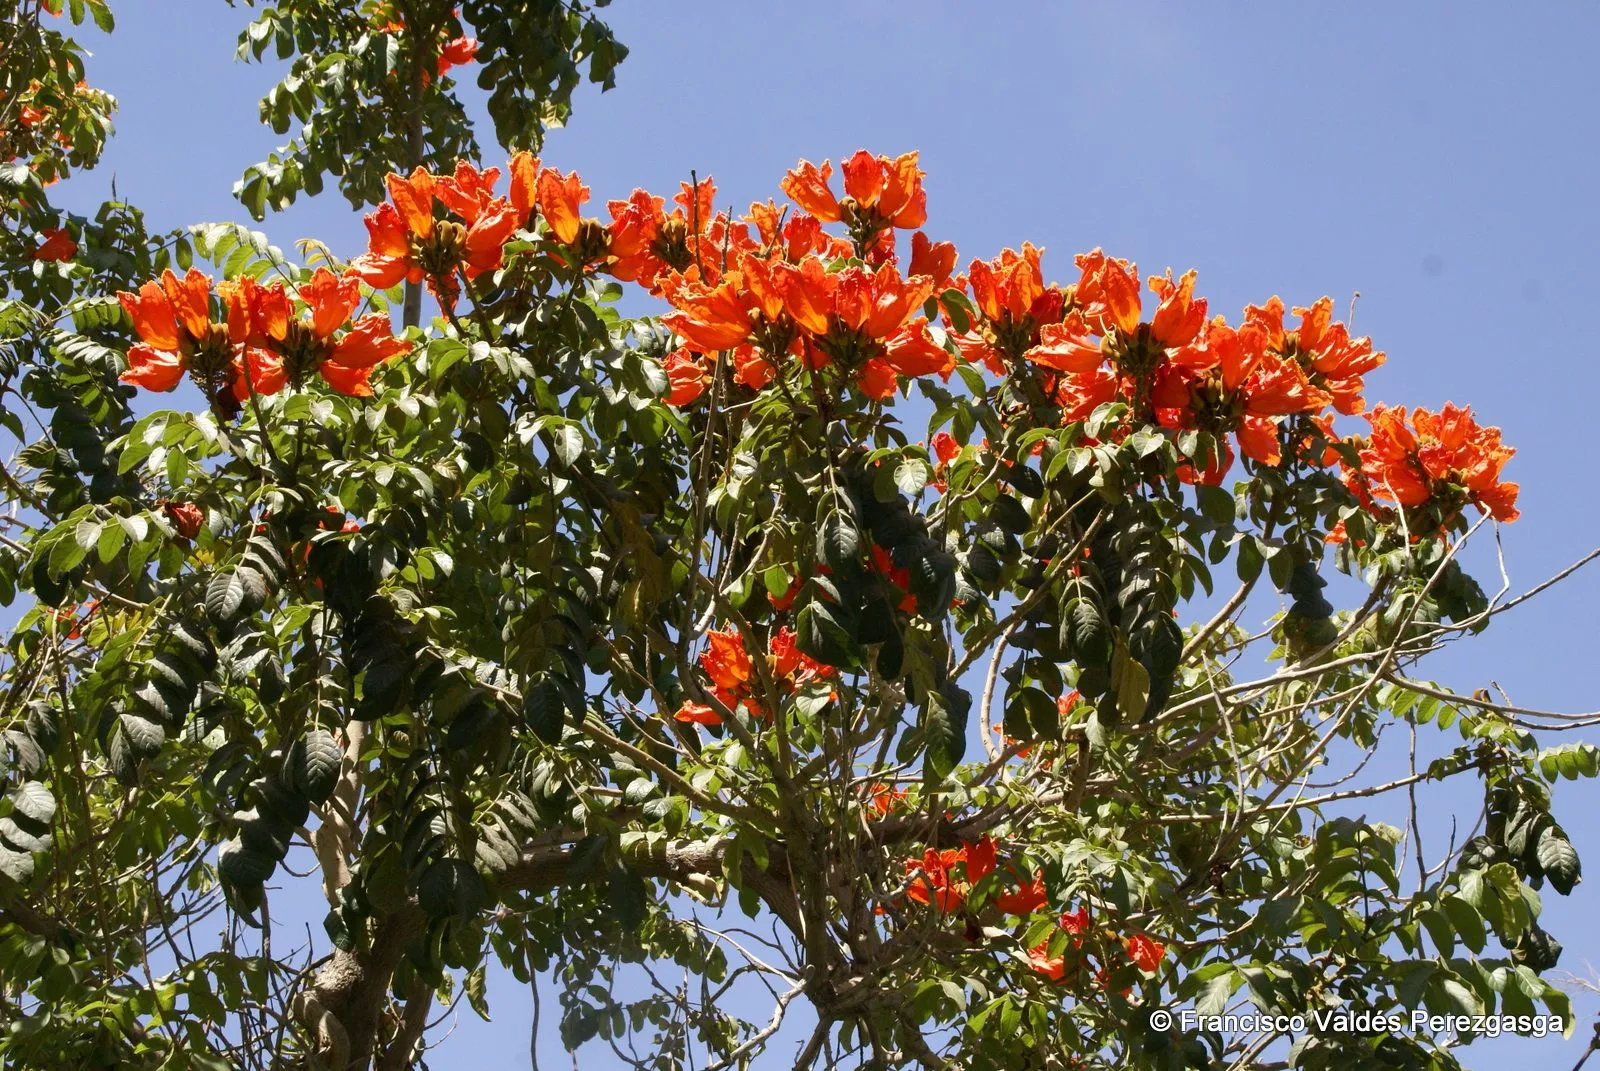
{"x":773,"y":292}
{"x":1064,"y":955}
{"x":780,"y":302}
{"x":407,"y":243}
{"x":946,"y":879}
{"x":1431,"y":465}
{"x":732,"y":674}
{"x":251,"y":338}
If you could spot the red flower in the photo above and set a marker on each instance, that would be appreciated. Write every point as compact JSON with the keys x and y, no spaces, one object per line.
{"x":1042,"y":962}
{"x":1025,"y":900}
{"x":186,"y":517}
{"x":1146,"y":952}
{"x":457,"y":53}
{"x":686,"y":377}
{"x":58,"y":245}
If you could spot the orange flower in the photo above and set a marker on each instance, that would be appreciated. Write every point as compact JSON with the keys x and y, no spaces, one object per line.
{"x":979,"y":857}
{"x":799,"y":237}
{"x":1014,"y":307}
{"x":1076,"y":922}
{"x":807,"y":186}
{"x":880,"y":193}
{"x":936,"y":260}
{"x":1042,"y":962}
{"x":698,"y":714}
{"x":468,"y":192}
{"x":686,"y":377}
{"x":302,"y":347}
{"x":931,"y":880}
{"x":856,"y":316}
{"x":405,"y":242}
{"x":559,"y":198}
{"x":1146,"y":952}
{"x":1230,"y":383}
{"x":457,"y":53}
{"x":882,"y":798}
{"x":788,"y":661}
{"x":524,"y":169}
{"x":743,"y":305}
{"x":646,"y":242}
{"x":1323,"y":348}
{"x":1025,"y":900}
{"x":1439,"y":460}
{"x":177,"y":334}
{"x":58,"y":245}
{"x":1108,"y":293}
{"x":1106,"y":349}
{"x":397,"y":233}
{"x":898,"y":576}
{"x":890,"y":190}
{"x":725,"y":660}
{"x":945,"y":447}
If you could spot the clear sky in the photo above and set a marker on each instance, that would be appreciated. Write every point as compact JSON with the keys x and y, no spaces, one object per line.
{"x":1438,"y":158}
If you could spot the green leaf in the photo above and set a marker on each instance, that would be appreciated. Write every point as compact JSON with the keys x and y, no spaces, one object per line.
{"x":1213,"y":999}
{"x":451,"y":887}
{"x":33,"y":801}
{"x":820,"y":634}
{"x":838,"y":541}
{"x":1559,"y":860}
{"x":317,"y":761}
{"x":945,"y":729}
{"x":1131,"y":681}
{"x":545,"y":709}
{"x":911,"y":475}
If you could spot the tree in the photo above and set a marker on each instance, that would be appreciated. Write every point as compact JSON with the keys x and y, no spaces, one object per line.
{"x":543,"y":634}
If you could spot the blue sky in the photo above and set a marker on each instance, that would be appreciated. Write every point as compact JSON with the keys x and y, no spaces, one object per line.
{"x":1439,"y":159}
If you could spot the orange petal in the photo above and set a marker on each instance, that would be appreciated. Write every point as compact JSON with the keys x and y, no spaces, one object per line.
{"x":153,"y":369}
{"x":413,"y":199}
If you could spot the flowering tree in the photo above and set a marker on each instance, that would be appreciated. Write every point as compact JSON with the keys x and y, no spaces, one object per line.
{"x":588,"y":644}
